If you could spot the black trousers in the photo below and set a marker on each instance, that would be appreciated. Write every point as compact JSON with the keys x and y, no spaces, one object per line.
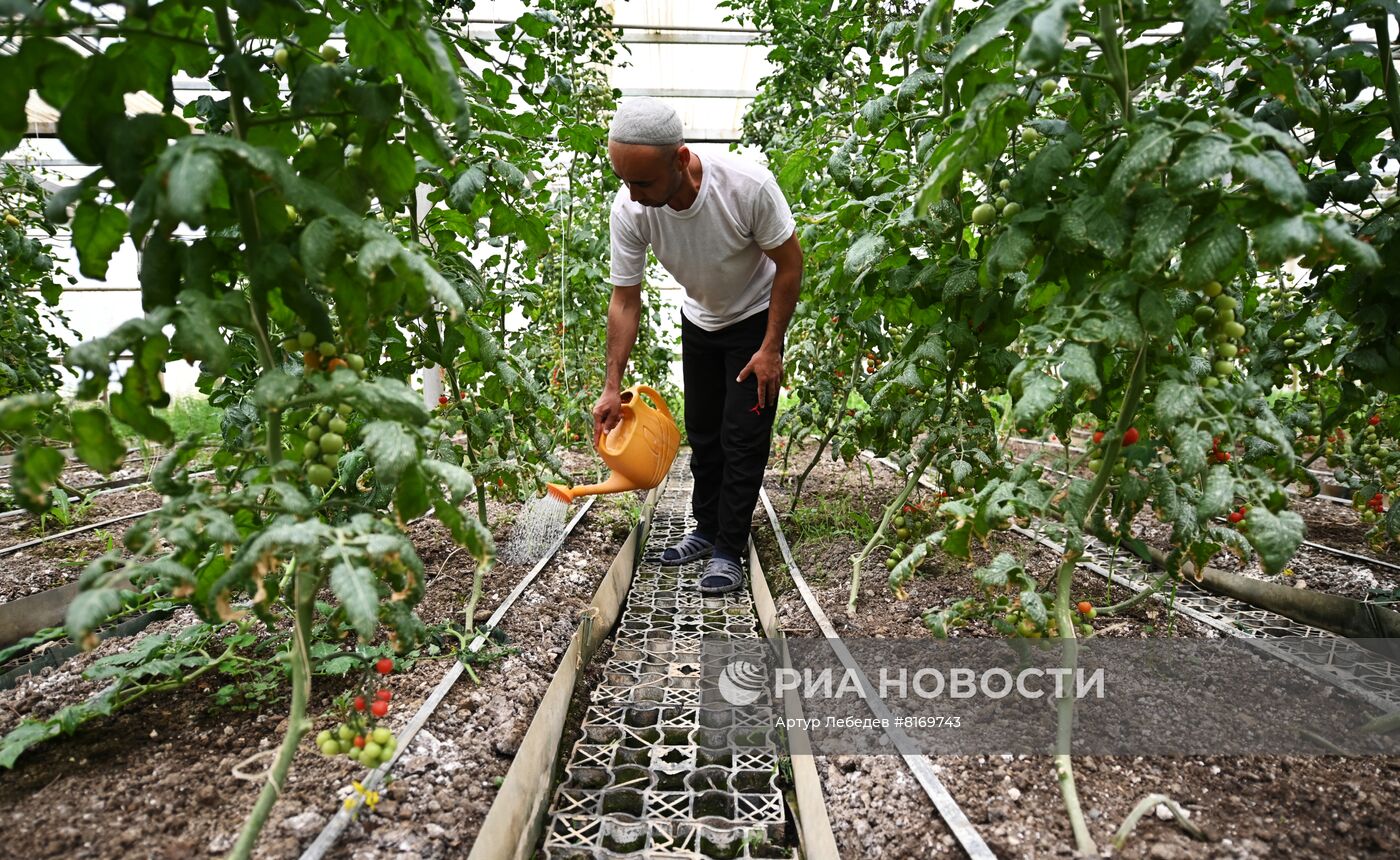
{"x":730,"y":437}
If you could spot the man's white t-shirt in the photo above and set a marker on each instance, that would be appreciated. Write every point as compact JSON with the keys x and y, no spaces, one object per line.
{"x":715,"y":247}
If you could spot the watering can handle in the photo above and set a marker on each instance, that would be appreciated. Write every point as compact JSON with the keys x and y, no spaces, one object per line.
{"x":656,"y":398}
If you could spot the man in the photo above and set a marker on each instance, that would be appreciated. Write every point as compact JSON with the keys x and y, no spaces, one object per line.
{"x":722,"y":228}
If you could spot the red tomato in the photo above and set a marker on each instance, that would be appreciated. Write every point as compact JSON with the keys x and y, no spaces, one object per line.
{"x":1131,"y":437}
{"x":1098,"y":437}
{"x":379,"y":709}
{"x":384,"y":695}
{"x":359,"y":703}
{"x":384,"y":665}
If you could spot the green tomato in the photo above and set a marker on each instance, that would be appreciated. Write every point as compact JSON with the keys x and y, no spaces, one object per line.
{"x":290,"y":344}
{"x":332,"y":443}
{"x":1004,"y":185}
{"x":984,"y":214}
{"x":1086,"y":630}
{"x":310,"y":451}
{"x":1387,"y":180}
{"x":1095,"y":465}
{"x":381,"y":735}
{"x":1012,"y":210}
{"x":338,"y":425}
{"x":329,"y":748}
{"x":319,"y":475}
{"x":332,"y":461}
{"x":355,"y":753}
{"x":1234,"y":329}
{"x":308,"y":140}
{"x":371,"y":750}
{"x":1048,"y":87}
{"x":1203,"y":314}
{"x":306,"y":339}
{"x":330,"y":53}
{"x":1289,"y":343}
{"x":891,"y":563}
{"x":900,"y":522}
{"x":327,"y":349}
{"x":1227,"y":350}
{"x":324,"y":417}
{"x":345,"y":408}
{"x":1223,"y":369}
{"x":323,"y":736}
{"x":315,"y":432}
{"x":1225,"y":303}
{"x":356,"y":361}
{"x":1225,"y":316}
{"x":902,"y":534}
{"x":281,"y":57}
{"x":1031,"y":134}
{"x":999,"y":203}
{"x":1214,"y":289}
{"x":345,"y":732}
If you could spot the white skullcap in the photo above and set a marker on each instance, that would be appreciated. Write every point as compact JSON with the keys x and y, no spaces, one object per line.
{"x":646,"y":121}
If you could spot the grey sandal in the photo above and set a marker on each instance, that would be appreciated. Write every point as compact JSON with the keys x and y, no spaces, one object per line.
{"x":721,"y":576}
{"x":691,"y":547}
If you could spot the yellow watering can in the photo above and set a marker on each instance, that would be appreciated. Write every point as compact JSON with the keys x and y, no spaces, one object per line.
{"x":639,"y":449}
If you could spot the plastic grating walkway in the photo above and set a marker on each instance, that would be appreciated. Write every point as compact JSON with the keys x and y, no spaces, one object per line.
{"x":666,"y":767}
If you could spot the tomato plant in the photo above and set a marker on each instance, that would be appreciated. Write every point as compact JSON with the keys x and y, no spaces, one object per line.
{"x":358,"y":198}
{"x":1047,"y":215}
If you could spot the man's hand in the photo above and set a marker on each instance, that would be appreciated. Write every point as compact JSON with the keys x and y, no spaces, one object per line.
{"x":606,"y":413}
{"x":767,"y":365}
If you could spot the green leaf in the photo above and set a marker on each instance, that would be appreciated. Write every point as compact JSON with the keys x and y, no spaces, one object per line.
{"x":986,"y":31}
{"x":1202,"y":24}
{"x":391,"y":448}
{"x":1034,"y":607}
{"x":94,"y":441}
{"x":1276,"y":537}
{"x":1010,"y":253}
{"x":355,"y":586}
{"x":275,"y":388}
{"x":1037,"y":396}
{"x":458,"y":481}
{"x":1078,"y":367}
{"x":1177,"y":403}
{"x":998,"y":573}
{"x":1149,"y":153}
{"x":189,"y":183}
{"x":1203,"y":160}
{"x":98,"y":231}
{"x":1276,"y":175}
{"x":1048,"y":30}
{"x":22,"y":737}
{"x":90,"y":609}
{"x":467,"y":531}
{"x":1158,"y":230}
{"x":1219,"y":493}
{"x":1214,"y":251}
{"x":864,"y":252}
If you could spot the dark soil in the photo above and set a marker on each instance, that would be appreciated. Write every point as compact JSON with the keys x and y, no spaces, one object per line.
{"x":59,"y":562}
{"x":1250,"y":807}
{"x":156,"y":779}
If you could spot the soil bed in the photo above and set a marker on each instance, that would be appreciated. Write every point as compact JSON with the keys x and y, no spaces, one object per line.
{"x":59,"y":562}
{"x":156,"y":778}
{"x":1251,"y":807}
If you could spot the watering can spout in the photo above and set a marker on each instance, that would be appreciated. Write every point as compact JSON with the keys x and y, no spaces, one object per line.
{"x":616,"y":483}
{"x":639,"y":450}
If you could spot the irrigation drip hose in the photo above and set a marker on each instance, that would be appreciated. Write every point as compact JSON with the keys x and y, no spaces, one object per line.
{"x":922,"y":768}
{"x":814,"y":823}
{"x":118,"y":487}
{"x":343,"y":816}
{"x":14,"y":548}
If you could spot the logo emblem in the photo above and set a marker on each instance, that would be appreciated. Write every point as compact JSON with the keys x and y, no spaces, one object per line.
{"x":742,"y":683}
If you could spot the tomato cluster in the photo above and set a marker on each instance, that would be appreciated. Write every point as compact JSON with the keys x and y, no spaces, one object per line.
{"x":1238,"y":514}
{"x":909,"y":528}
{"x":359,"y":736}
{"x":1216,"y":316}
{"x":328,"y":426}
